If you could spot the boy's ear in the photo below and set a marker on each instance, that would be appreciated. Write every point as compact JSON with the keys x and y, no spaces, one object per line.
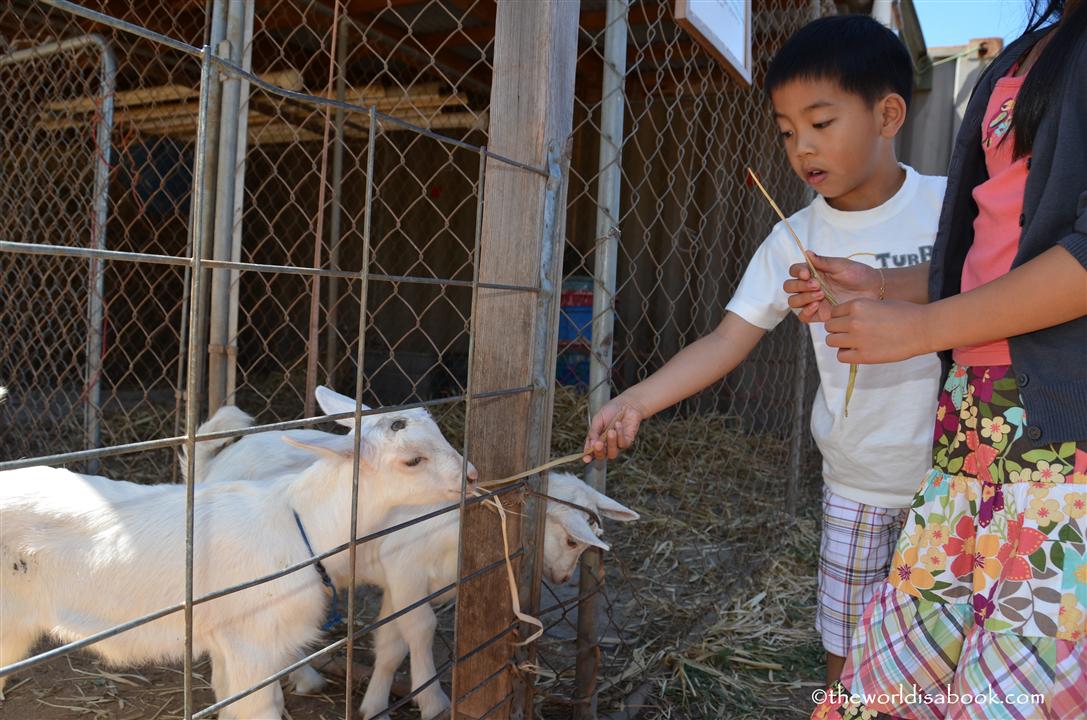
{"x":892,"y":110}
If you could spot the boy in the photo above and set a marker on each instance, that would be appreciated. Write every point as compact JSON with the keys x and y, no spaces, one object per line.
{"x":839,"y":90}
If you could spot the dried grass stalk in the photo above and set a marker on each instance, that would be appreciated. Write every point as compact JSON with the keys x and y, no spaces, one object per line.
{"x":815,"y":276}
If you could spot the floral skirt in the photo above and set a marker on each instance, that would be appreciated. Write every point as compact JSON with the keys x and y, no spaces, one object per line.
{"x":984,"y":614}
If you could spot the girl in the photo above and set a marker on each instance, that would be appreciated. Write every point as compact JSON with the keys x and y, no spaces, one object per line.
{"x":984,"y":613}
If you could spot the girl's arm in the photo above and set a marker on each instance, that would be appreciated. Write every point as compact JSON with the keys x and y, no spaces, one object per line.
{"x":850,"y":280}
{"x":1049,"y":290}
{"x":693,"y":368}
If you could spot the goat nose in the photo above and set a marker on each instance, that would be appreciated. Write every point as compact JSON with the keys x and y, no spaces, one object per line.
{"x":473,"y":474}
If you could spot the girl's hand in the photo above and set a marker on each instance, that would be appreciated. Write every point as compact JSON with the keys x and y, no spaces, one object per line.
{"x":869,"y":332}
{"x":846,"y":279}
{"x":624,"y":416}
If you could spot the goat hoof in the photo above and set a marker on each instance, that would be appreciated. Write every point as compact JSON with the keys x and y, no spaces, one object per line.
{"x":307,"y":681}
{"x":434,"y":710}
{"x":368,"y":712}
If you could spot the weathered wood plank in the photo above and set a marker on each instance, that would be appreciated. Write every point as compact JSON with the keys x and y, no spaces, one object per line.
{"x":531,"y":111}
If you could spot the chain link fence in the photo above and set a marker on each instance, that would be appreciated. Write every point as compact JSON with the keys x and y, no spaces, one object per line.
{"x":102,"y":140}
{"x":393,"y":58}
{"x":666,"y":628}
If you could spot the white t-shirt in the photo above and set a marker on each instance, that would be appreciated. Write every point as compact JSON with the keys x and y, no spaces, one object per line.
{"x":880,"y":453}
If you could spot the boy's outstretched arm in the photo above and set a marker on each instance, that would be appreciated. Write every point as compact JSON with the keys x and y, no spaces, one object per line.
{"x":851,"y":280}
{"x":694,"y":368}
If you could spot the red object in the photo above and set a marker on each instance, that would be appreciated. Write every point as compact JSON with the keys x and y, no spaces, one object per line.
{"x":577,"y":298}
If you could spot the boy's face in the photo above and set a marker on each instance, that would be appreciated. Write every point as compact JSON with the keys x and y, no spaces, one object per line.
{"x":835,"y":140}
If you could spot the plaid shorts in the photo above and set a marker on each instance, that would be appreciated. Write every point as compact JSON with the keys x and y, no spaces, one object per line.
{"x":855,"y":553}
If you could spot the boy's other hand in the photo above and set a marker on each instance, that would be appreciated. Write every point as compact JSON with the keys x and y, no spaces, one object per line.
{"x":846,"y":279}
{"x":612,"y":429}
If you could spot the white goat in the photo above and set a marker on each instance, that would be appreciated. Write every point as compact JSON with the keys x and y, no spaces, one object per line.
{"x":422,"y":558}
{"x":82,"y":553}
{"x":414,"y":561}
{"x":259,"y":456}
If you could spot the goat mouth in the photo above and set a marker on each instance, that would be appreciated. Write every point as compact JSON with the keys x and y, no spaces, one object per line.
{"x":470,"y":490}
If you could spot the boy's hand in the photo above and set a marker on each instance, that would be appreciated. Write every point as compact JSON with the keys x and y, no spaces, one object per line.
{"x":846,"y":279}
{"x":613,"y":428}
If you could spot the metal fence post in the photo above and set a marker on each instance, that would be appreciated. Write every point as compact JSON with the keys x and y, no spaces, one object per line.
{"x":797,"y":435}
{"x":103,"y":143}
{"x":204,"y":210}
{"x":795,"y":479}
{"x":92,"y":430}
{"x":197,"y":320}
{"x":332,"y":337}
{"x":609,"y":181}
{"x":542,"y":408}
{"x":230,"y":145}
{"x":239,"y":206}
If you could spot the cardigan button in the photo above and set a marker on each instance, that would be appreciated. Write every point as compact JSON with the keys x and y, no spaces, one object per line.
{"x":1034,"y":432}
{"x":1022,"y":380}
{"x":1028,"y":162}
{"x":1022,"y":219}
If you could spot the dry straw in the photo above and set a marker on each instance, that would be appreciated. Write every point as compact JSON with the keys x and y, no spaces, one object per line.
{"x":710,"y":587}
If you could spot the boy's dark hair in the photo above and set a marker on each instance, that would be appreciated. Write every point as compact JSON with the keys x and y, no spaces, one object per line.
{"x":857,"y":52}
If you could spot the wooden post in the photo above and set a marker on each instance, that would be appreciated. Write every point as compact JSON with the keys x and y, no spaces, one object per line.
{"x":520,"y":244}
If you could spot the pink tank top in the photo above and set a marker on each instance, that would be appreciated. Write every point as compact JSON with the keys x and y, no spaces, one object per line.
{"x":1000,"y":212}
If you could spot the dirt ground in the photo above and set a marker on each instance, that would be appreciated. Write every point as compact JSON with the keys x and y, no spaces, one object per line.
{"x":79,"y":687}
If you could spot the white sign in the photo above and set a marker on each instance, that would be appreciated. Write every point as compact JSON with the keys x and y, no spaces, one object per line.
{"x":723,"y":28}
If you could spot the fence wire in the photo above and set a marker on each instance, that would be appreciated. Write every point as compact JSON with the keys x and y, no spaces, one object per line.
{"x":393,"y":206}
{"x":709,"y":478}
{"x":714,"y":477}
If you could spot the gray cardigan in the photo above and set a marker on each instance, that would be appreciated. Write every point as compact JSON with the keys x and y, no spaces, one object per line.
{"x":1050,"y":365}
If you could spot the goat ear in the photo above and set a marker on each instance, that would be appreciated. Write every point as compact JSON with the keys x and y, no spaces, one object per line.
{"x":336,"y":446}
{"x":613,"y":510}
{"x":579,"y":529}
{"x":334,"y":403}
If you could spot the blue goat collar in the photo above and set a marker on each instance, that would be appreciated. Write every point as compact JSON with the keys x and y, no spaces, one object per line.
{"x":334,"y":616}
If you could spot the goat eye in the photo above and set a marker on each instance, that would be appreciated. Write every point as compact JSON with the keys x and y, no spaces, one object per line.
{"x":414,"y":461}
{"x":570,"y":542}
{"x":399,"y":425}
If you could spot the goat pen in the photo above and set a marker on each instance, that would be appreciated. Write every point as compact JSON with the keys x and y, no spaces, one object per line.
{"x":422,"y":203}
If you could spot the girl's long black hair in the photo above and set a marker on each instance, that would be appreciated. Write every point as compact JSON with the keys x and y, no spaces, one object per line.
{"x":1045,"y":79}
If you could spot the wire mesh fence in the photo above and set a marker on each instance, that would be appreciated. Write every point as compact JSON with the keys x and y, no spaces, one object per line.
{"x":721,"y":473}
{"x":404,"y":203}
{"x":104,"y":140}
{"x":423,"y":220}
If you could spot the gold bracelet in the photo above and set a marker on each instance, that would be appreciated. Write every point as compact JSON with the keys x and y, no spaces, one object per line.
{"x":882,"y":277}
